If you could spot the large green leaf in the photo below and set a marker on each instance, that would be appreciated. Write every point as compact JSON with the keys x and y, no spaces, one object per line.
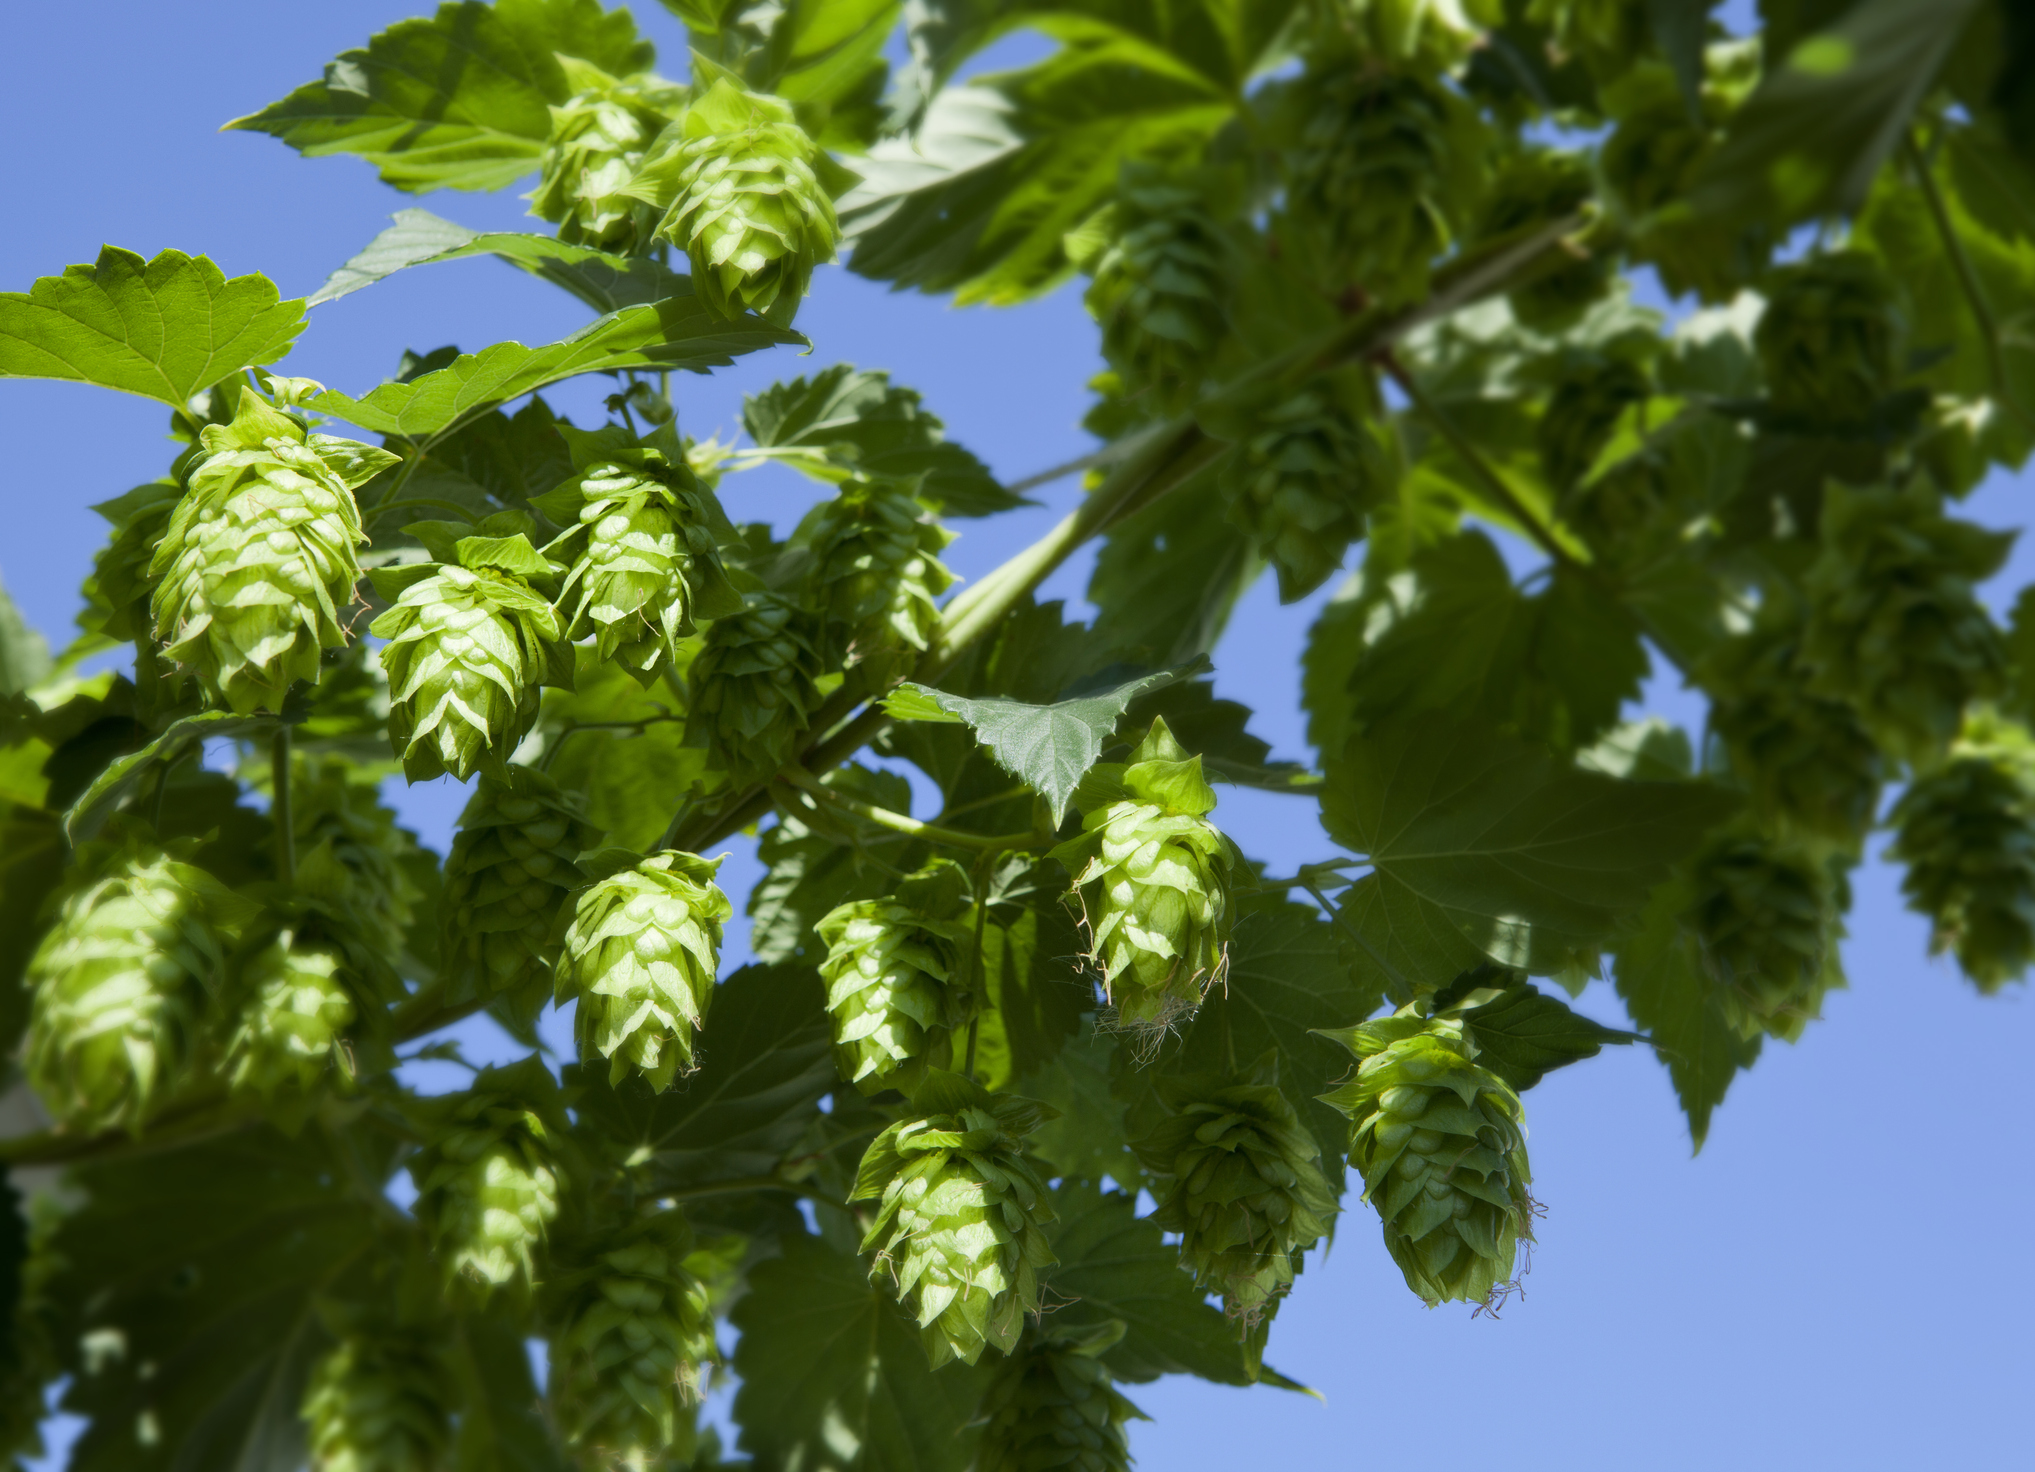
{"x":24,"y":653}
{"x":824,"y":56}
{"x":460,"y":100}
{"x":123,"y":775}
{"x":1522,"y":1034}
{"x":834,"y":1378}
{"x":819,"y":859}
{"x":1168,"y":578}
{"x":501,"y":1425}
{"x":1034,"y":987}
{"x":163,"y":329}
{"x":1086,"y":1139}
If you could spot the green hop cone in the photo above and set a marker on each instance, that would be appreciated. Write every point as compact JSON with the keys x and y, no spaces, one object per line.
{"x":736,"y":178}
{"x":1767,"y":915}
{"x":1441,"y":1145}
{"x":1153,"y":876}
{"x":258,"y":563}
{"x":1590,"y":391}
{"x":634,"y":1328}
{"x":512,"y":870}
{"x":648,"y":562}
{"x":1053,"y":1406}
{"x":896,"y":981}
{"x":876,"y":573}
{"x":1830,"y":338}
{"x":470,"y":642}
{"x":487,"y":1178}
{"x":1538,"y":186}
{"x":293,"y":1020}
{"x":599,"y":136}
{"x":1895,"y":626}
{"x":640,"y":957}
{"x":377,"y":1402}
{"x":1242,"y":1185}
{"x":1967,"y":834}
{"x":755,"y":686}
{"x":123,"y":981}
{"x":340,"y":821}
{"x":1161,"y":287}
{"x":960,"y":1223}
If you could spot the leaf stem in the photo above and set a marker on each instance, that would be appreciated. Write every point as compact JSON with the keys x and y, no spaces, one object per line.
{"x":1967,"y":274}
{"x":799,"y":777}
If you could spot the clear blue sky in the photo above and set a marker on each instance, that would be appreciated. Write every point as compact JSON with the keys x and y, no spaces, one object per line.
{"x":1835,"y":1282}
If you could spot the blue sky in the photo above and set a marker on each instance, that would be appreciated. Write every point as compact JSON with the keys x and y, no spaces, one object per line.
{"x":1833,"y":1282}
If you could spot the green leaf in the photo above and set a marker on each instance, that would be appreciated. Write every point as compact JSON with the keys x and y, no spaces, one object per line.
{"x":844,"y":422}
{"x":1168,"y":578}
{"x":119,"y":779}
{"x":632,"y":780}
{"x":458,"y":101}
{"x":678,"y":332}
{"x":501,"y":1428}
{"x":1035,"y":991}
{"x":24,"y":653}
{"x":1047,"y":746}
{"x":1680,"y":29}
{"x":1214,"y":730}
{"x":604,"y":282}
{"x":818,"y":859}
{"x":1666,"y":989}
{"x":834,"y":1378}
{"x":163,"y":329}
{"x":1086,"y":1139}
{"x":33,"y":855}
{"x":1522,"y":1035}
{"x":824,"y":56}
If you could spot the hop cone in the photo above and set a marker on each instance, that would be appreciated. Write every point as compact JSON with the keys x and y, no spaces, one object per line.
{"x":598,"y":138}
{"x":258,"y":561}
{"x":1538,"y":187}
{"x":1301,"y":482}
{"x":959,"y":1226}
{"x":1161,"y":288}
{"x":1441,"y":1144}
{"x":122,"y":982}
{"x":468,"y":648}
{"x":1830,"y":336}
{"x":735,"y":179}
{"x":1894,"y":624}
{"x":640,"y":957}
{"x":1591,"y":390}
{"x":1967,"y":835}
{"x":118,"y":592}
{"x":1053,"y":1406}
{"x":1766,"y":914}
{"x":1153,"y":876}
{"x":895,"y":980}
{"x":487,"y":1183}
{"x":876,"y":572}
{"x":754,"y":687}
{"x":635,"y":1327}
{"x":369,"y":855}
{"x":1246,"y":1191}
{"x":376,"y":1403}
{"x":648,"y":555}
{"x":293,"y":1020}
{"x":513,"y":865}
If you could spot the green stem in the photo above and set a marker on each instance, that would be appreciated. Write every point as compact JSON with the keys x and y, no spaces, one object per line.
{"x":799,"y":777}
{"x":1967,"y":274}
{"x":280,"y":815}
{"x":638,"y":727}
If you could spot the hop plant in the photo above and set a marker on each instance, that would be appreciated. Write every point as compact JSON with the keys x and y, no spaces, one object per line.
{"x":895,"y":981}
{"x":1153,"y":877}
{"x":377,"y":1403}
{"x":293,"y":1021}
{"x":258,"y":561}
{"x":123,"y":982}
{"x":755,"y":686}
{"x":1053,"y":1405}
{"x":340,"y":820}
{"x":736,"y":178}
{"x":1765,"y":914}
{"x":1894,"y":624}
{"x":1606,"y":34}
{"x":1242,"y":1185}
{"x":648,"y":562}
{"x":487,"y":1178}
{"x":634,"y":1327}
{"x":876,"y":574}
{"x":1591,"y":390}
{"x":599,"y":136}
{"x":470,"y":642}
{"x":1538,"y":187}
{"x":1967,"y":834}
{"x":119,"y":591}
{"x":961,"y":1214}
{"x":1441,"y":1144}
{"x":1161,"y":287}
{"x":640,"y":957}
{"x":1830,"y":337}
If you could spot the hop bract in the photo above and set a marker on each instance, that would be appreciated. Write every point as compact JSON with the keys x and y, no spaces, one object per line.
{"x":1161,"y":287}
{"x":377,"y":1403}
{"x":1441,"y":1145}
{"x":1967,"y":834}
{"x":640,"y":957}
{"x":470,"y":642}
{"x":736,"y":180}
{"x":1053,"y":1405}
{"x":1153,"y":876}
{"x":294,"y":1019}
{"x":876,"y":574}
{"x":1766,"y":916}
{"x":598,"y":138}
{"x":1243,"y":1188}
{"x":959,"y":1229}
{"x":635,"y":1327}
{"x":487,"y":1180}
{"x":895,"y":981}
{"x":755,"y":686}
{"x":258,"y":562}
{"x":1831,"y":335}
{"x":647,"y":562}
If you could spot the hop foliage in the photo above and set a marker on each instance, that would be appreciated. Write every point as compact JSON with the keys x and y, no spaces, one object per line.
{"x":640,"y":957}
{"x":1153,"y":876}
{"x":1053,"y":1405}
{"x":1766,"y":915}
{"x":1894,"y":625}
{"x":599,"y":136}
{"x":755,"y":686}
{"x":960,"y":1221}
{"x":119,"y":591}
{"x":294,"y":1018}
{"x":1161,"y":287}
{"x":876,"y":575}
{"x":488,"y":1178}
{"x":1967,"y":834}
{"x":1441,"y":1144}
{"x":1590,"y":391}
{"x":1830,"y":338}
{"x":258,"y":564}
{"x":896,"y":981}
{"x":634,"y":1327}
{"x":343,"y":829}
{"x":1243,"y":1187}
{"x":377,"y":1403}
{"x":1539,"y":186}
{"x":738,"y":184}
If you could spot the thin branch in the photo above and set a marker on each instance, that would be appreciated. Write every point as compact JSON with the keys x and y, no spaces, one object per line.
{"x":1108,"y":455}
{"x":799,"y":777}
